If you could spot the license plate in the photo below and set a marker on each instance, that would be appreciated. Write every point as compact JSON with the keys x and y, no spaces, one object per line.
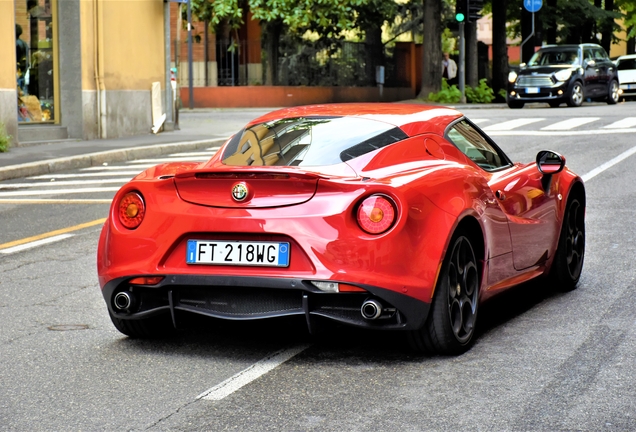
{"x":239,"y":253}
{"x":532,"y":90}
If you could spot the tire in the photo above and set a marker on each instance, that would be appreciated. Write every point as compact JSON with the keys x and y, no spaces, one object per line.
{"x":450,"y":326}
{"x":146,"y":328}
{"x":515,"y":105}
{"x":554,"y":104}
{"x":612,"y":93}
{"x":570,"y":254}
{"x":575,"y":99}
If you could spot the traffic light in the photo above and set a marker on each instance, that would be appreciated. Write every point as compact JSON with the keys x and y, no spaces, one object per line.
{"x":461,"y":10}
{"x":474,"y":9}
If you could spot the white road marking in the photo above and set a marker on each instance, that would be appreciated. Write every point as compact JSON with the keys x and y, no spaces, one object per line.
{"x":58,"y":191}
{"x":35,"y":243}
{"x":203,"y":153}
{"x":84,"y":175}
{"x":140,"y":167}
{"x":164,"y":160}
{"x":570,"y":123}
{"x":512,"y":124}
{"x":63,"y":183}
{"x":627,"y":122}
{"x":561,"y":133}
{"x":607,"y":165}
{"x":477,"y":121}
{"x":251,"y":373}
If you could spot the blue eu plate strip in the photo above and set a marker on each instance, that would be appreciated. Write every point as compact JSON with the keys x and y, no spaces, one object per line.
{"x":192,"y":250}
{"x":283,"y":254}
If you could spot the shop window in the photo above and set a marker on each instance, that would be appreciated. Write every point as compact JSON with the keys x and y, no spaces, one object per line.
{"x":36,"y":68}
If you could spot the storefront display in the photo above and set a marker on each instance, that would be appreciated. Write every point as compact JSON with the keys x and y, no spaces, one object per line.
{"x":36,"y":67}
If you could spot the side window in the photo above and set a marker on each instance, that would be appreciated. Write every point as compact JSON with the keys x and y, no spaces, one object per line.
{"x":587,"y":54}
{"x":477,"y":147}
{"x":599,"y":54}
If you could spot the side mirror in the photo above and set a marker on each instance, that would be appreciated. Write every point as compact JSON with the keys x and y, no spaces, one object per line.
{"x":549,"y":162}
{"x":522,"y":65}
{"x":590,"y":63}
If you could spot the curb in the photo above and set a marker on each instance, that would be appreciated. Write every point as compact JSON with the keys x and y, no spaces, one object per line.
{"x":98,"y":158}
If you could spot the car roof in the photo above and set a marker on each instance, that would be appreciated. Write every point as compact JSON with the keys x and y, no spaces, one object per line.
{"x":626,"y":57}
{"x":413,"y":119}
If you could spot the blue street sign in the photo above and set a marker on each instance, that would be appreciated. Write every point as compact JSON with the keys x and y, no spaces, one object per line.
{"x":532,"y":5}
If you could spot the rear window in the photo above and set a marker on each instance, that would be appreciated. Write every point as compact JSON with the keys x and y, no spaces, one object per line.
{"x":626,"y":64}
{"x":309,"y":141}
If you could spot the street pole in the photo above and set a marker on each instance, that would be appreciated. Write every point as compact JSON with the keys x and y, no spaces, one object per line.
{"x":169,"y":124}
{"x":190,"y":92}
{"x":462,"y":63}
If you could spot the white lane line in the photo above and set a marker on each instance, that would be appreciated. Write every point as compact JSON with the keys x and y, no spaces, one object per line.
{"x":570,"y":123}
{"x":162,"y":160}
{"x":253,"y":372}
{"x":84,"y":175}
{"x":477,"y":121}
{"x":627,"y":122}
{"x":607,"y":165}
{"x":512,"y":124}
{"x":202,"y":153}
{"x":63,"y":183}
{"x":562,"y":133}
{"x":140,"y":167}
{"x":58,"y":191}
{"x":35,"y":243}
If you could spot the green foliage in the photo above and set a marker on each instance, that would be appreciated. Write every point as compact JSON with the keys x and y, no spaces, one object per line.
{"x":448,"y":94}
{"x":5,"y":139}
{"x":502,"y":93}
{"x":480,"y":94}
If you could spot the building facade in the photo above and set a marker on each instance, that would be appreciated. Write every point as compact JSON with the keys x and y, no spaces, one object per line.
{"x":80,"y":69}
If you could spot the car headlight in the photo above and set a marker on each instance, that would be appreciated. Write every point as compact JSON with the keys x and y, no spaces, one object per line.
{"x":563,"y":75}
{"x":512,"y":76}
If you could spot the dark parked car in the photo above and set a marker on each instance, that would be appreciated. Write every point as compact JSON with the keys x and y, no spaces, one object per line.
{"x":564,"y":73}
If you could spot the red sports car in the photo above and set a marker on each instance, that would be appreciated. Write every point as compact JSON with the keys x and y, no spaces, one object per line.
{"x":381,"y":216}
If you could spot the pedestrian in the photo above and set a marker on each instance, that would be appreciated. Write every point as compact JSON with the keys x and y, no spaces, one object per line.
{"x":449,"y":69}
{"x":21,"y":55}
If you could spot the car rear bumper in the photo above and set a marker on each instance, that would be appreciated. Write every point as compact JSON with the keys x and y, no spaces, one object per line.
{"x":251,"y":298}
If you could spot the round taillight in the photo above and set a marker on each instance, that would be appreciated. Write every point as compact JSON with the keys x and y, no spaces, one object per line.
{"x":131,"y":210}
{"x":376,"y":214}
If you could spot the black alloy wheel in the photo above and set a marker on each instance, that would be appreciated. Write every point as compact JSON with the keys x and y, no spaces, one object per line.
{"x":451,"y":322}
{"x":515,"y":104}
{"x":554,"y":104}
{"x":568,"y":261}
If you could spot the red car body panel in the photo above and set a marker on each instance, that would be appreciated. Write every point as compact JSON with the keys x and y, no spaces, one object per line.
{"x":434,"y":186}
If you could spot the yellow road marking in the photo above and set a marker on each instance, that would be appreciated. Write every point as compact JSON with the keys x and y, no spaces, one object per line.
{"x":55,"y":201}
{"x":52,"y":233}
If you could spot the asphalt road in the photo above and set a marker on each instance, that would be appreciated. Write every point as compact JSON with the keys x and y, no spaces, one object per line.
{"x":543,"y":361}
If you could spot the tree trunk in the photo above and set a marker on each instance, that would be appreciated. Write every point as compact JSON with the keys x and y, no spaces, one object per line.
{"x":499,"y":46}
{"x":550,"y":21}
{"x":272,"y":31}
{"x":472,"y":57}
{"x":608,"y":27}
{"x":374,"y":52}
{"x":432,"y":48}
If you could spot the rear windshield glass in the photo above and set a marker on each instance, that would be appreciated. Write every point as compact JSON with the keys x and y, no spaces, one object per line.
{"x":309,"y":141}
{"x":626,"y":64}
{"x":560,"y":57}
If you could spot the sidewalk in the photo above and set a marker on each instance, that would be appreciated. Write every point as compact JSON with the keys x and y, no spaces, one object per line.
{"x":199,"y":129}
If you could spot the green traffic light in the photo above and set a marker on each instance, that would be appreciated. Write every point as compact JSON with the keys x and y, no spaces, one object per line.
{"x":460,"y":17}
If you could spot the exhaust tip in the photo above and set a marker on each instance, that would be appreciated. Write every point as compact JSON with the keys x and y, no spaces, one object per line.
{"x":371,"y":309}
{"x":123,"y":300}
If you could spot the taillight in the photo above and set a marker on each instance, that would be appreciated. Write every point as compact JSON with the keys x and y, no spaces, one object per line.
{"x":131,"y":210}
{"x":376,"y":214}
{"x":146,"y":280}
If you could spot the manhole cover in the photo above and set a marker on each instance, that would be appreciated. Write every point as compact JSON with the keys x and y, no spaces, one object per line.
{"x":68,"y":327}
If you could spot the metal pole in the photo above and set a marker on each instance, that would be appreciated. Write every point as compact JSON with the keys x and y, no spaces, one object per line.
{"x":190,"y":92}
{"x":169,"y":124}
{"x":527,"y":39}
{"x":462,"y":63}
